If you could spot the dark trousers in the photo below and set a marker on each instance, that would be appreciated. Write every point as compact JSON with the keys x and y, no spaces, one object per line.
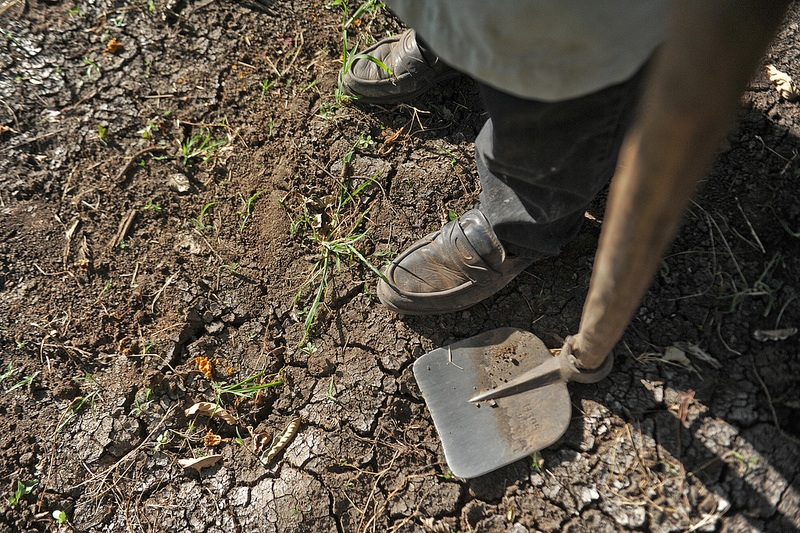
{"x":541,"y":163}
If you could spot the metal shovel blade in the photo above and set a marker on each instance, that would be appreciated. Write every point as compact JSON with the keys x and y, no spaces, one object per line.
{"x":479,"y":438}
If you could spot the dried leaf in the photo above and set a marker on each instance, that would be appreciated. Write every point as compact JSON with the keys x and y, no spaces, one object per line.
{"x":766,"y":335}
{"x":212,"y":439}
{"x":280,"y":442}
{"x":113,"y":46}
{"x":178,"y":183}
{"x":783,"y":82}
{"x":204,"y":366}
{"x":260,"y":442}
{"x":676,"y":355}
{"x":211,"y":409}
{"x":200,"y":462}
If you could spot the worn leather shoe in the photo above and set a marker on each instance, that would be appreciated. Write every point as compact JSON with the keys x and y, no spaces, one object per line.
{"x":451,"y":269}
{"x":413,"y":71}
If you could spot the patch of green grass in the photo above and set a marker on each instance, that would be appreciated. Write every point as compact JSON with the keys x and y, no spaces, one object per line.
{"x":247,"y":388}
{"x":10,"y":372}
{"x":335,"y":235}
{"x":152,"y":207}
{"x":200,"y":146}
{"x":24,"y":381}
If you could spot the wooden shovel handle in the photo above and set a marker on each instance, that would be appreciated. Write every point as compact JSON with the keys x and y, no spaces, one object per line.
{"x":690,"y":99}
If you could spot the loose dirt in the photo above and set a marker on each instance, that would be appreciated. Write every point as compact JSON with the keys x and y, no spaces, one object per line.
{"x":168,"y":172}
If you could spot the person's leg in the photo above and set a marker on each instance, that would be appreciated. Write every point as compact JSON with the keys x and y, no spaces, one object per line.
{"x":540,"y":165}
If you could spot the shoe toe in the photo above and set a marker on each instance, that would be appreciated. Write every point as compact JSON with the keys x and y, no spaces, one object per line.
{"x":445,"y":272}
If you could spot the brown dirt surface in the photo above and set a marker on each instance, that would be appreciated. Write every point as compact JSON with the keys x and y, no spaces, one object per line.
{"x":169,"y":170}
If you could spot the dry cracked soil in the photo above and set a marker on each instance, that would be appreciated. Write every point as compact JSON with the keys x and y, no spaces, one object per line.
{"x":187,"y":214}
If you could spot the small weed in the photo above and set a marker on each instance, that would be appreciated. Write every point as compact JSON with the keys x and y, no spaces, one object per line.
{"x":759,"y":288}
{"x":266,"y":85}
{"x":445,"y":113}
{"x":141,"y":407}
{"x":105,"y":288}
{"x":150,"y":131}
{"x":59,"y":516}
{"x":92,"y":66}
{"x":537,"y":462}
{"x":119,"y":21}
{"x":76,"y":404}
{"x":246,"y":388}
{"x":749,"y":461}
{"x":23,"y":382}
{"x":198,"y":222}
{"x":363,"y":142}
{"x":452,"y":157}
{"x":447,"y":475}
{"x":270,"y":126}
{"x":200,"y":146}
{"x":163,"y":439}
{"x":785,"y":226}
{"x":308,"y":349}
{"x":370,"y":6}
{"x":101,"y":134}
{"x":9,"y":372}
{"x":451,"y":215}
{"x":331,"y":394}
{"x":230,"y":268}
{"x":23,"y":489}
{"x":335,"y":236}
{"x":669,"y":468}
{"x":247,"y":207}
{"x":153,"y":207}
{"x":74,"y":407}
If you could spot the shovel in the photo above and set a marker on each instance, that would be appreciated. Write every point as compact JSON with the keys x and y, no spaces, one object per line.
{"x":525,"y":408}
{"x":500,"y":396}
